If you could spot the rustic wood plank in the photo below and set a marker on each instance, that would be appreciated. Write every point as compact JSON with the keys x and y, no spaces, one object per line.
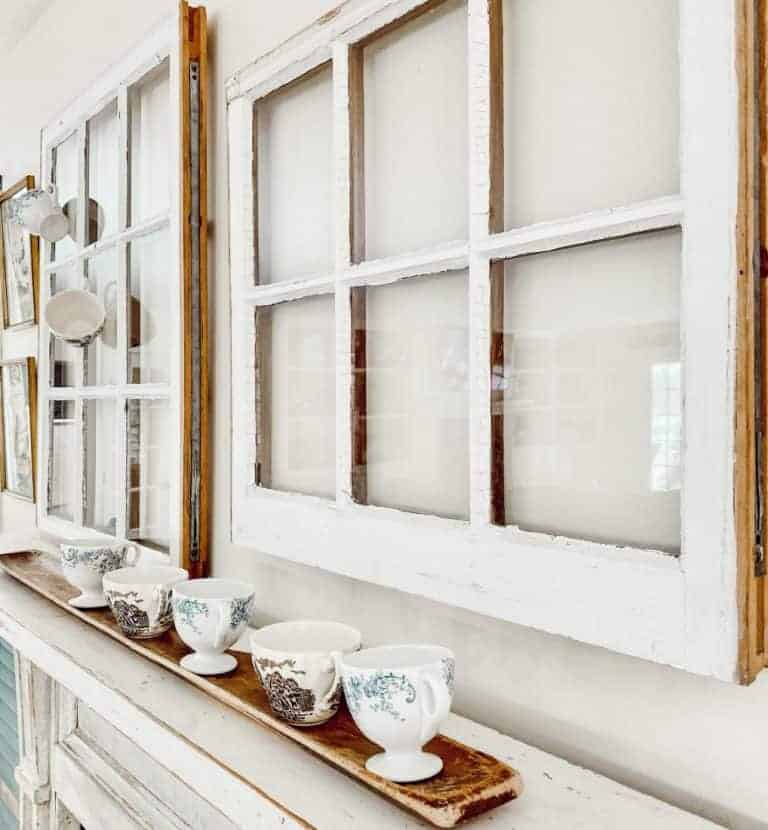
{"x":470,"y":784}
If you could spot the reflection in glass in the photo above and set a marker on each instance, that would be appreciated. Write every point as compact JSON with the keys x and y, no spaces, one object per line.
{"x":591,"y":391}
{"x":417,"y":347}
{"x":65,"y":177}
{"x":62,"y":460}
{"x":416,"y":142}
{"x":103,"y":173}
{"x":295,"y":179}
{"x":101,"y":504}
{"x":149,"y":309}
{"x":101,"y":362}
{"x":591,"y":105}
{"x":297,"y":395}
{"x":150,"y":439}
{"x":150,"y":162}
{"x":65,"y":359}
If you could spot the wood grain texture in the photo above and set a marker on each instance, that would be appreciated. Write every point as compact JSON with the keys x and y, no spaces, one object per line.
{"x":470,"y":784}
{"x":195,"y":529}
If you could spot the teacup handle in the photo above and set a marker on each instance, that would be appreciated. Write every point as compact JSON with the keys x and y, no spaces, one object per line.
{"x":159,"y":601}
{"x":335,"y":658}
{"x":132,"y":549}
{"x":432,"y":718}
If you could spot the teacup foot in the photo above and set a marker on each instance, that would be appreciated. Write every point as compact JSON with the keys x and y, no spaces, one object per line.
{"x":405,"y":768}
{"x":209,"y":664}
{"x":85,"y":601}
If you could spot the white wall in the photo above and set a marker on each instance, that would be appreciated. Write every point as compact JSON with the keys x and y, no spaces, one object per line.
{"x":698,"y":743}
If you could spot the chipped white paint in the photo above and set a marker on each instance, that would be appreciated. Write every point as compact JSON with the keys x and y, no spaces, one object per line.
{"x":149,"y":748}
{"x":680,"y":611}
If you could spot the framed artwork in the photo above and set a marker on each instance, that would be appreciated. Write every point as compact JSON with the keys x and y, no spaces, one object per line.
{"x":18,"y":398}
{"x":19,"y":260}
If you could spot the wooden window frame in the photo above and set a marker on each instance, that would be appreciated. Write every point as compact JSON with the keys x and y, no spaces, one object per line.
{"x":693,"y":611}
{"x":181,"y":40}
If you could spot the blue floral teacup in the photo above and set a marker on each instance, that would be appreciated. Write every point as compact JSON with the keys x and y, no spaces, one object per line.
{"x":398,"y":697}
{"x":210,"y":615}
{"x":84,"y":564}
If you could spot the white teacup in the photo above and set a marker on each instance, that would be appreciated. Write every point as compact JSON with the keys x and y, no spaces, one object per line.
{"x":297,"y":663}
{"x":84,"y":563}
{"x":41,"y":215}
{"x":398,"y":697}
{"x":210,"y":615}
{"x":75,"y":316}
{"x":140,"y":598}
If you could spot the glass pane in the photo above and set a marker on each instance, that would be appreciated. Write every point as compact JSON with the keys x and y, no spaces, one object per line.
{"x":17,"y":430}
{"x":295,"y":179}
{"x":103,"y":174}
{"x":297,"y":392}
{"x":17,"y":263}
{"x":591,"y":105}
{"x":415,"y":86}
{"x":592,"y":401}
{"x":150,"y":158}
{"x":150,"y":437}
{"x":62,"y":469}
{"x":101,"y":358}
{"x":101,"y":491}
{"x":65,"y":358}
{"x":417,"y":395}
{"x":149,"y":309}
{"x":65,"y":177}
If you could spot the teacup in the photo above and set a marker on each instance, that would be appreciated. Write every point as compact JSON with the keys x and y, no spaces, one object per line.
{"x":398,"y":697}
{"x":75,"y":316}
{"x":85,"y":562}
{"x":140,"y":598}
{"x":41,"y":215}
{"x":210,"y":615}
{"x":297,"y":663}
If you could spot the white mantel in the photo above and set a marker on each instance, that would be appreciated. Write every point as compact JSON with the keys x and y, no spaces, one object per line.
{"x":106,"y":730}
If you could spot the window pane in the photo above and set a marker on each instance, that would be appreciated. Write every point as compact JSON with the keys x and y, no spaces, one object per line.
{"x":62,"y":469}
{"x":149,"y":309}
{"x":65,"y":359}
{"x":415,"y":86}
{"x":65,"y":177}
{"x":592,"y":400}
{"x":150,"y":159}
{"x":297,"y":395}
{"x":150,"y":437}
{"x":103,"y":173}
{"x":101,"y":492}
{"x":101,"y":356}
{"x":591,"y":105}
{"x":295,"y":179}
{"x":417,"y":351}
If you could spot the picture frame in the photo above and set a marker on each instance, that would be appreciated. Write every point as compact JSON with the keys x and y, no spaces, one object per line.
{"x":18,"y":414}
{"x":19,"y":262}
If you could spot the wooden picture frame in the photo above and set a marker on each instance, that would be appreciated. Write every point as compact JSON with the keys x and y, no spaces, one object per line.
{"x":30,"y":261}
{"x":21,"y":481}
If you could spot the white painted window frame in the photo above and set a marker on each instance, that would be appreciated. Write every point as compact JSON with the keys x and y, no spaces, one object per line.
{"x":676,"y":610}
{"x":160,"y":44}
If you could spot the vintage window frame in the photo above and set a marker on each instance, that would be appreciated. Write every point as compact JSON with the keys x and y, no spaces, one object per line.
{"x":25,"y":184}
{"x":181,"y":40}
{"x":697,"y":610}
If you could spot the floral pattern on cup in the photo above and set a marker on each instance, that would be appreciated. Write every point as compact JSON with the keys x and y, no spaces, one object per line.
{"x":448,"y":670}
{"x":190,"y":611}
{"x":384,"y":691}
{"x":241,"y":611}
{"x":102,"y":560}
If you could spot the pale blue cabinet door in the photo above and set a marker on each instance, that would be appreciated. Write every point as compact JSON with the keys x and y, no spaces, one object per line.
{"x":9,"y":736}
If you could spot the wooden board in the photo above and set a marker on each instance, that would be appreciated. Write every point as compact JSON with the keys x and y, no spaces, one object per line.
{"x":471,"y":782}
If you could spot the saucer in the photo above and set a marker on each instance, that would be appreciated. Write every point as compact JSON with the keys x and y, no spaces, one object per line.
{"x":209,"y":664}
{"x":405,"y":768}
{"x":86,"y":601}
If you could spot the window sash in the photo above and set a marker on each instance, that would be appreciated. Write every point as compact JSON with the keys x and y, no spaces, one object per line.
{"x":679,"y":610}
